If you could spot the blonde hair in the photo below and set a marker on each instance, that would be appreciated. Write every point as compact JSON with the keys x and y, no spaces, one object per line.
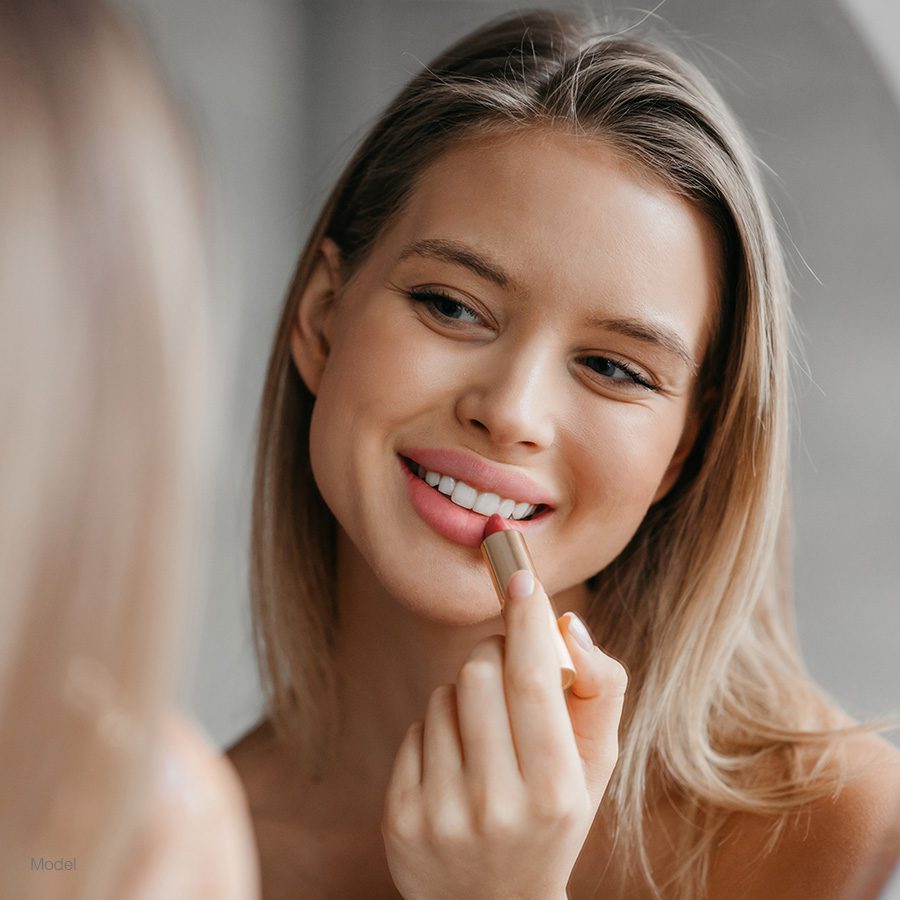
{"x":102,"y":333}
{"x":720,"y":708}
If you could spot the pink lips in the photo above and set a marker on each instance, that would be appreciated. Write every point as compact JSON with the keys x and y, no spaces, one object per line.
{"x":462,"y":526}
{"x":481,"y":475}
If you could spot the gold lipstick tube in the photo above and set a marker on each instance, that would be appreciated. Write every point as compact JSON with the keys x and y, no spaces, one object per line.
{"x":505,"y":553}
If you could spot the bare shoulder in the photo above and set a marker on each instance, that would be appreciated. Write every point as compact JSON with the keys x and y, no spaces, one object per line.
{"x":285,"y":860}
{"x":839,"y":848}
{"x":256,"y":740}
{"x":256,"y":760}
{"x":258,"y":764}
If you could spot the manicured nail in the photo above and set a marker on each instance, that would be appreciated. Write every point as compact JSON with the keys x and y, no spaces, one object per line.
{"x":521,"y":584}
{"x":578,"y":631}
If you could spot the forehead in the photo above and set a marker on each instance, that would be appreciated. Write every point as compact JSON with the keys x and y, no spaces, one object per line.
{"x":568,"y":217}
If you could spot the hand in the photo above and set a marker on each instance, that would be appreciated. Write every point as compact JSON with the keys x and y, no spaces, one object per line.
{"x":494,"y":794}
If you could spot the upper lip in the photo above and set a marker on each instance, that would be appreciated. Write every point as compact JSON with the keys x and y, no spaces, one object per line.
{"x":480,"y":474}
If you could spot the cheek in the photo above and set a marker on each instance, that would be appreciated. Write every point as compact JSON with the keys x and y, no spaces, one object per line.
{"x":387,"y":368}
{"x":620,"y":457}
{"x":625,"y":451}
{"x":376,"y":378}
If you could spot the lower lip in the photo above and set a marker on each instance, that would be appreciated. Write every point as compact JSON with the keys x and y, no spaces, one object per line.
{"x":462,"y":526}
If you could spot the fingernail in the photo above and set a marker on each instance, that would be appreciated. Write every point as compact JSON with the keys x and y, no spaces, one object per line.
{"x":521,"y":584}
{"x":578,"y":631}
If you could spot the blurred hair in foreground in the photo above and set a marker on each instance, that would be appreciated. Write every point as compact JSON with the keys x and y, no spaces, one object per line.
{"x":102,"y":326}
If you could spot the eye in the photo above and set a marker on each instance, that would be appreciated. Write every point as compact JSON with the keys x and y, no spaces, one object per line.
{"x":619,"y":373}
{"x":443,"y":307}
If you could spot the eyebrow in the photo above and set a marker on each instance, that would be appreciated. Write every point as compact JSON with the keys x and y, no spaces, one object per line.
{"x":648,"y":333}
{"x":455,"y":252}
{"x":463,"y":255}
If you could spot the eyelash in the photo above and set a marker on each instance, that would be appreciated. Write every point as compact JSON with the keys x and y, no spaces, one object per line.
{"x":429,"y":297}
{"x":634,"y":376}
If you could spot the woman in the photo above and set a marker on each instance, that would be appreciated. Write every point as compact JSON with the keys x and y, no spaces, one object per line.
{"x":550,"y":274}
{"x":104,"y":793}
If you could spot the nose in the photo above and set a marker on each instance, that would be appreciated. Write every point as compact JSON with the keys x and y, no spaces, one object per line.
{"x":512,"y":399}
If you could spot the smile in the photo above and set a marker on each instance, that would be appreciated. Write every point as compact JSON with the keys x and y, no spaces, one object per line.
{"x":467,"y":497}
{"x":458,"y":511}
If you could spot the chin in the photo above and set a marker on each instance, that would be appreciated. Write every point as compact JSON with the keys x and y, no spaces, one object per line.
{"x":471,"y":602}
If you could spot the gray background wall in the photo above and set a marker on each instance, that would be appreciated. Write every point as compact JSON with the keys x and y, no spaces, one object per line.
{"x":280,"y":91}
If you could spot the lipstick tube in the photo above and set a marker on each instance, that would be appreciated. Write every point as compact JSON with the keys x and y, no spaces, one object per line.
{"x":505,"y":553}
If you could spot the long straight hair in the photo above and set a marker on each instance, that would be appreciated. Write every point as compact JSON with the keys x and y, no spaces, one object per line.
{"x":720,"y":709}
{"x":101,"y":340}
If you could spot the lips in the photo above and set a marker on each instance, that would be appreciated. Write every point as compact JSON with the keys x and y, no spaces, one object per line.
{"x":485,"y":477}
{"x":485,"y":502}
{"x":454,"y":522}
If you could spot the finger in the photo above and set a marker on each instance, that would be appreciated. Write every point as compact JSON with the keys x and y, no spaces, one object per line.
{"x":407,"y":771}
{"x":443,"y":785}
{"x":489,"y":756}
{"x":539,"y":720}
{"x":401,"y":812}
{"x":441,"y":743}
{"x":594,"y":701}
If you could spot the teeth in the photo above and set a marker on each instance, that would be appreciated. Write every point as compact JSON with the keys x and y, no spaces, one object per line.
{"x":463,"y":495}
{"x":487,"y":504}
{"x":521,"y":510}
{"x":467,"y":497}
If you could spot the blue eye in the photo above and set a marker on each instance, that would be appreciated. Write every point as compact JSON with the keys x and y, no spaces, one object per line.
{"x":617,"y":372}
{"x":444,"y":307}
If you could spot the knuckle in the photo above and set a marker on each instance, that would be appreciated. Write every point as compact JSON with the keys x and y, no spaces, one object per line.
{"x":401,"y":821}
{"x":616,"y":677}
{"x":442,"y":697}
{"x":530,"y":683}
{"x":556,"y":806}
{"x":477,"y":672}
{"x":497,"y":821}
{"x":414,"y":732}
{"x":492,"y":646}
{"x":487,"y":655}
{"x":447,"y":828}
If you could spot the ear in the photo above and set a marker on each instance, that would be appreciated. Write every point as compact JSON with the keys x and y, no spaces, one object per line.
{"x":311,"y":332}
{"x":682,"y":452}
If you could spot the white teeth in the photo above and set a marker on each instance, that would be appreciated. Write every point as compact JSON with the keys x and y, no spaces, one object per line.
{"x":521,"y":510}
{"x":466,"y":496}
{"x":487,"y":504}
{"x":463,"y":495}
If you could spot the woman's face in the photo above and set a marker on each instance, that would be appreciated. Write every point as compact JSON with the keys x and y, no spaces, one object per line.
{"x":530,"y":326}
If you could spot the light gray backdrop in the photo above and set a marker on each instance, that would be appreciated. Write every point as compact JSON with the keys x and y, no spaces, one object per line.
{"x":280,"y":91}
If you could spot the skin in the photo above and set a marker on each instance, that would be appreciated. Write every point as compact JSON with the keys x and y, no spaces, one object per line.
{"x":196,"y":838}
{"x":462,"y":768}
{"x":580,"y":235}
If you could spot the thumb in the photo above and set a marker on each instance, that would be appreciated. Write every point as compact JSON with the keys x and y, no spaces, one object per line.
{"x":594,"y":700}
